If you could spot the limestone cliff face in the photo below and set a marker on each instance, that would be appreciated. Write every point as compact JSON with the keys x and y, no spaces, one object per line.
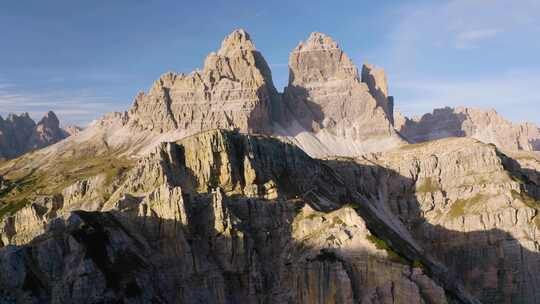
{"x":472,"y":206}
{"x":486,"y":126}
{"x":377,"y":83}
{"x":326,"y":97}
{"x":233,"y":90}
{"x":326,"y":109}
{"x":220,"y":218}
{"x":20,"y":134}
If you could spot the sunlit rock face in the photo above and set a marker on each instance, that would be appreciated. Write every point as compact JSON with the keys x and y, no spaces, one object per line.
{"x":215,"y":188}
{"x":233,"y":90}
{"x":486,"y":126}
{"x":327,"y":98}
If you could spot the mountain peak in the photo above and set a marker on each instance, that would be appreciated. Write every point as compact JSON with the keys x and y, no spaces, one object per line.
{"x":317,"y":41}
{"x":237,"y":40}
{"x":50,"y":120}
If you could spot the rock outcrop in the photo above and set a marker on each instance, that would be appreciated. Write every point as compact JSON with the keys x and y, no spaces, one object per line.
{"x":377,"y":83}
{"x":326,"y":108}
{"x":233,"y":90}
{"x":470,"y":205}
{"x":332,"y":112}
{"x":20,"y":134}
{"x":221,"y":217}
{"x":486,"y":126}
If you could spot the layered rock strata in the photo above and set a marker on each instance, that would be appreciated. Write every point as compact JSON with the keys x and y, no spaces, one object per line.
{"x":233,"y":90}
{"x":472,"y":206}
{"x":486,"y":126}
{"x":220,"y":218}
{"x":336,"y":113}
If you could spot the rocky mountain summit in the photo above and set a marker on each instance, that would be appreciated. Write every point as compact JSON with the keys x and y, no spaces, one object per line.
{"x":216,"y":188}
{"x":486,"y":126}
{"x":326,"y":108}
{"x":20,"y":134}
{"x":332,"y":111}
{"x":233,"y":90}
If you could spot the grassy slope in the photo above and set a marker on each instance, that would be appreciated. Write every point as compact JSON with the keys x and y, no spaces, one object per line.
{"x":25,"y":182}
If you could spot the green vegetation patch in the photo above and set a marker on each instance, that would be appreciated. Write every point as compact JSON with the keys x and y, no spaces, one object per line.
{"x":414,"y":146}
{"x":10,"y":209}
{"x":392,"y":255}
{"x":429,"y":185}
{"x":460,"y":206}
{"x":25,"y":185}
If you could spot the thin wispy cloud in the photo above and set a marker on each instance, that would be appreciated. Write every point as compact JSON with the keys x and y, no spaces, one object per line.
{"x":507,"y":92}
{"x":470,"y":38}
{"x":466,"y":53}
{"x":459,"y":23}
{"x":77,"y":107}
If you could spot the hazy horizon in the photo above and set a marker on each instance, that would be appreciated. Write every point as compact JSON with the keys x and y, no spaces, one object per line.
{"x":82,"y":60}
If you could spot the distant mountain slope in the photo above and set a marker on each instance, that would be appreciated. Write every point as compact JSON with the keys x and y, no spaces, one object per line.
{"x":486,"y":126}
{"x":20,"y":134}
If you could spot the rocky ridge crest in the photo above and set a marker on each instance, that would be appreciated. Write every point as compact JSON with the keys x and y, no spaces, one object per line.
{"x":19,"y":134}
{"x":486,"y":126}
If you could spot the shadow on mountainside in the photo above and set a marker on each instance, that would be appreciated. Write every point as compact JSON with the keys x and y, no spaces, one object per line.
{"x":214,"y":248}
{"x":535,"y":143}
{"x":297,"y":106}
{"x":440,"y":124}
{"x":494,"y":266}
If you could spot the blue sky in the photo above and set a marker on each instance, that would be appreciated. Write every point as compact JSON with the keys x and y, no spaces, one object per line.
{"x":85,"y":58}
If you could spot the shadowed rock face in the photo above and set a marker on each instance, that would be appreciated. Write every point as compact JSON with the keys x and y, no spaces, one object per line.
{"x":486,"y":126}
{"x":20,"y":134}
{"x":375,"y":78}
{"x":325,"y":93}
{"x":220,"y":217}
{"x":325,"y":102}
{"x":471,"y":206}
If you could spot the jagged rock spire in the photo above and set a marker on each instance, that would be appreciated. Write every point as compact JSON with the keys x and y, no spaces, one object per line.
{"x":375,"y":78}
{"x":233,"y":90}
{"x":319,"y":58}
{"x":325,"y":95}
{"x":236,"y":41}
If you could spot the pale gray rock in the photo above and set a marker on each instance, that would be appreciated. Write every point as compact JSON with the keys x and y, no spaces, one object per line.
{"x":220,"y":217}
{"x":326,"y":97}
{"x":470,"y":205}
{"x":486,"y":126}
{"x":377,"y":83}
{"x":233,"y":90}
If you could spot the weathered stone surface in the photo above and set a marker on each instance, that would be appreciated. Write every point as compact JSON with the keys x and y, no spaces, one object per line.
{"x":218,"y":218}
{"x":222,"y":217}
{"x":326,"y":97}
{"x":377,"y":83}
{"x":233,"y":90}
{"x":470,"y":205}
{"x":486,"y":126}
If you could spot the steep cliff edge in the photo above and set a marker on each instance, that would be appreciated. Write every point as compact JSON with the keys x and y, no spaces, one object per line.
{"x":469,"y":204}
{"x":219,"y":217}
{"x":331,"y":111}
